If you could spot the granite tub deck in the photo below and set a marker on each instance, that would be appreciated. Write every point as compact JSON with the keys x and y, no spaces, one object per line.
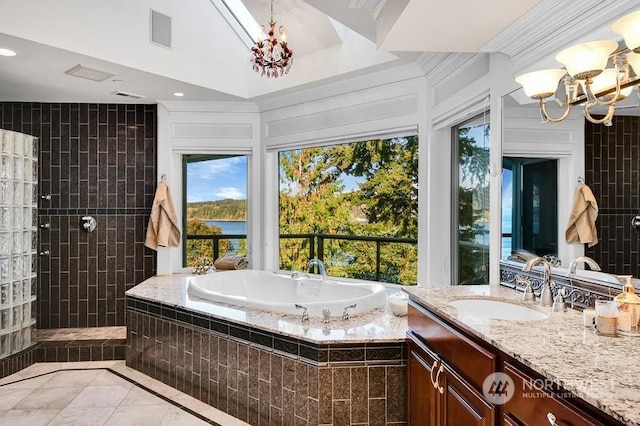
{"x":268,"y":368}
{"x":602,"y":371}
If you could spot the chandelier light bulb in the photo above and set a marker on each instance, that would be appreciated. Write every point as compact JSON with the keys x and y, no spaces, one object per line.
{"x":540,"y":84}
{"x":587,"y":59}
{"x":629,"y":28}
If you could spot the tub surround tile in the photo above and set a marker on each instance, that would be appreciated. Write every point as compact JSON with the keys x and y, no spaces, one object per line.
{"x":262,"y":373}
{"x":559,"y":348}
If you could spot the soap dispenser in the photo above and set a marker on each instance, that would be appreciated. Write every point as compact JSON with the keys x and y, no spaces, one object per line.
{"x":628,"y":310}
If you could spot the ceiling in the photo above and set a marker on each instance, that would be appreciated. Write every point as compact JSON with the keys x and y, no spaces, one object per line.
{"x":209,"y":56}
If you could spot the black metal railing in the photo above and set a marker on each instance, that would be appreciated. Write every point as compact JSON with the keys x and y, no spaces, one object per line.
{"x":316,"y":243}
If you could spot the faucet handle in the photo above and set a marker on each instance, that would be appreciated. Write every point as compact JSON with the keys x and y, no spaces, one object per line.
{"x":345,"y":314}
{"x":305,"y":314}
{"x":326,"y":313}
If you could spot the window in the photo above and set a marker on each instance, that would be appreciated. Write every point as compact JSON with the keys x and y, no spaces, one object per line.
{"x":352,"y":205}
{"x":215,"y":206}
{"x":529,"y":206}
{"x":471,"y":141}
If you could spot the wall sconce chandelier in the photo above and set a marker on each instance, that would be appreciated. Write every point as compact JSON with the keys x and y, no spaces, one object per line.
{"x":272,"y":56}
{"x":587,"y":80}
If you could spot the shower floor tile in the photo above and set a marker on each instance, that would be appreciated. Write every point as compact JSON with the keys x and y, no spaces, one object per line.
{"x":98,"y":393}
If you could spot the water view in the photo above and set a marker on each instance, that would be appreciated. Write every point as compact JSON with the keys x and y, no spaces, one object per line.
{"x":230,"y":227}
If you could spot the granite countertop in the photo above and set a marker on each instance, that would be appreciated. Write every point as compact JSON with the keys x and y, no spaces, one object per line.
{"x":604,"y":371}
{"x":379,"y":325}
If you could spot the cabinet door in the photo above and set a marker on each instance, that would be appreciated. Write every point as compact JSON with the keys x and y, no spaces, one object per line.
{"x":530,"y":404}
{"x":422,"y":401}
{"x":462,"y":404}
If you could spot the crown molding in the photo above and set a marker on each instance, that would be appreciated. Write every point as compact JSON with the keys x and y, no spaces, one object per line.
{"x":350,"y":85}
{"x":373,"y":6}
{"x":551,"y":25}
{"x":440,"y":66}
{"x":210,"y":106}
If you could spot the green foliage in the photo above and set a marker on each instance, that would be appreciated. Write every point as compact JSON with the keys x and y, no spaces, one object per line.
{"x":202,"y":248}
{"x":221,"y":210}
{"x":473,"y":208}
{"x":313,"y":199}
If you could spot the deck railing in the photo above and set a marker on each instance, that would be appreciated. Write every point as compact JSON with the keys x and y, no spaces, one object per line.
{"x":316,"y":243}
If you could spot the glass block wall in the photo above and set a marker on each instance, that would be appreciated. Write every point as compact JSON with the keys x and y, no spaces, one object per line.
{"x":18,"y":240}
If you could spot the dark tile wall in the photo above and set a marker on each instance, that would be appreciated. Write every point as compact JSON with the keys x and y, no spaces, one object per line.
{"x":612,"y":156}
{"x":97,"y":160}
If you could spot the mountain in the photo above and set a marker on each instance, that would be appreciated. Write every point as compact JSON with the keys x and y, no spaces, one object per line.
{"x":218,"y":210}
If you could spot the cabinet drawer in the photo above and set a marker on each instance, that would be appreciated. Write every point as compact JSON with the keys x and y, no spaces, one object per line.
{"x":530,"y":404}
{"x":467,"y":357}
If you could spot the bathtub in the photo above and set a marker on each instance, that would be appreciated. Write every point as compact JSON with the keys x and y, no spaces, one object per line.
{"x":278,"y":292}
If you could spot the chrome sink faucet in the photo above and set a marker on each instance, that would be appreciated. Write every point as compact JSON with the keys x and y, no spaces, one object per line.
{"x":589,"y":261}
{"x":546,"y":298}
{"x":321,"y":268}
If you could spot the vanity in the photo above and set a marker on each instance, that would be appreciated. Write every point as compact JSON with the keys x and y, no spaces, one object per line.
{"x":548,"y":371}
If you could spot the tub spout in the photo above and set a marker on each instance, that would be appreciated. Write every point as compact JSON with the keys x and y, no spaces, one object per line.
{"x":305,"y":314}
{"x":345,"y":314}
{"x":321,"y":268}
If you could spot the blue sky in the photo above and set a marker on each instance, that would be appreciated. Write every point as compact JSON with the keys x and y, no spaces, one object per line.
{"x":218,"y":179}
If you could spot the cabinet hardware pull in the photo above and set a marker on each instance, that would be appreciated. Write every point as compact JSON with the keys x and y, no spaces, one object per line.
{"x":440,"y":388}
{"x":552,"y":419}
{"x":433,"y":368}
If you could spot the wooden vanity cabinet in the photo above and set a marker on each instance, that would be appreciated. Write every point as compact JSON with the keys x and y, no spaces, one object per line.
{"x":536,"y":398}
{"x":445,"y":374}
{"x":446,"y":370}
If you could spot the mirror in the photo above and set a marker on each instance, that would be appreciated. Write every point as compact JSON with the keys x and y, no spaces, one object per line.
{"x":607,"y":158}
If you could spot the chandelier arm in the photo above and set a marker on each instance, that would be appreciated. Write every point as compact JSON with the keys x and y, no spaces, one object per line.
{"x":606,"y":119}
{"x":548,"y":119}
{"x":615,"y":96}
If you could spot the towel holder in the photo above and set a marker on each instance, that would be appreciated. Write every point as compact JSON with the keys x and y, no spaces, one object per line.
{"x":163,"y":178}
{"x":580,"y":179}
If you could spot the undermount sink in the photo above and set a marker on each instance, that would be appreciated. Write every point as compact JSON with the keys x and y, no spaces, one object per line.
{"x":497,"y":309}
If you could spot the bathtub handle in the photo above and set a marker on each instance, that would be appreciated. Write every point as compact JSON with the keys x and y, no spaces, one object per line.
{"x":326,"y":314}
{"x":345,"y":314}
{"x":305,"y":314}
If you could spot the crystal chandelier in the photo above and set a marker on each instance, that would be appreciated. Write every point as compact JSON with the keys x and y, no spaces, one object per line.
{"x":587,"y":80}
{"x":272,"y":56}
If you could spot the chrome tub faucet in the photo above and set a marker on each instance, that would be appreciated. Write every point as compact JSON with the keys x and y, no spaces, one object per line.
{"x":322,"y":270}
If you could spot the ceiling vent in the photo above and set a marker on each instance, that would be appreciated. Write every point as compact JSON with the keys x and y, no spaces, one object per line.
{"x":127,"y":95}
{"x":89,"y":73}
{"x":160,"y":29}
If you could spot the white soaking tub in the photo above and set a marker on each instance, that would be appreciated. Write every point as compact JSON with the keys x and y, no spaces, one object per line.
{"x":277,"y":292}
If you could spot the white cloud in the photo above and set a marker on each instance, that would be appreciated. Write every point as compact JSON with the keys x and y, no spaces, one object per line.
{"x":213,"y":169}
{"x":229,"y":192}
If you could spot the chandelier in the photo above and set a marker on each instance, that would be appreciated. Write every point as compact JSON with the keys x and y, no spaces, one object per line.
{"x":586,"y":78}
{"x":271,"y":56}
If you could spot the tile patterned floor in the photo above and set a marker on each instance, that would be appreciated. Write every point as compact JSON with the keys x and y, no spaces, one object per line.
{"x":98,"y":393}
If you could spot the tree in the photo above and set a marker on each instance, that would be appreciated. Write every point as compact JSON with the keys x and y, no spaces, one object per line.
{"x":473,"y":160}
{"x":313,"y":200}
{"x":197,"y":249}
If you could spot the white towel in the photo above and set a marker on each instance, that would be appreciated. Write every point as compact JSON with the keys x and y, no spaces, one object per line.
{"x":231,"y":261}
{"x":163,"y":224}
{"x":582,"y":222}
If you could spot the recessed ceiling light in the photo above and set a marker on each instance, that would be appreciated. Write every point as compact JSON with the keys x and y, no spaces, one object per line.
{"x":178,"y":94}
{"x":7,"y":52}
